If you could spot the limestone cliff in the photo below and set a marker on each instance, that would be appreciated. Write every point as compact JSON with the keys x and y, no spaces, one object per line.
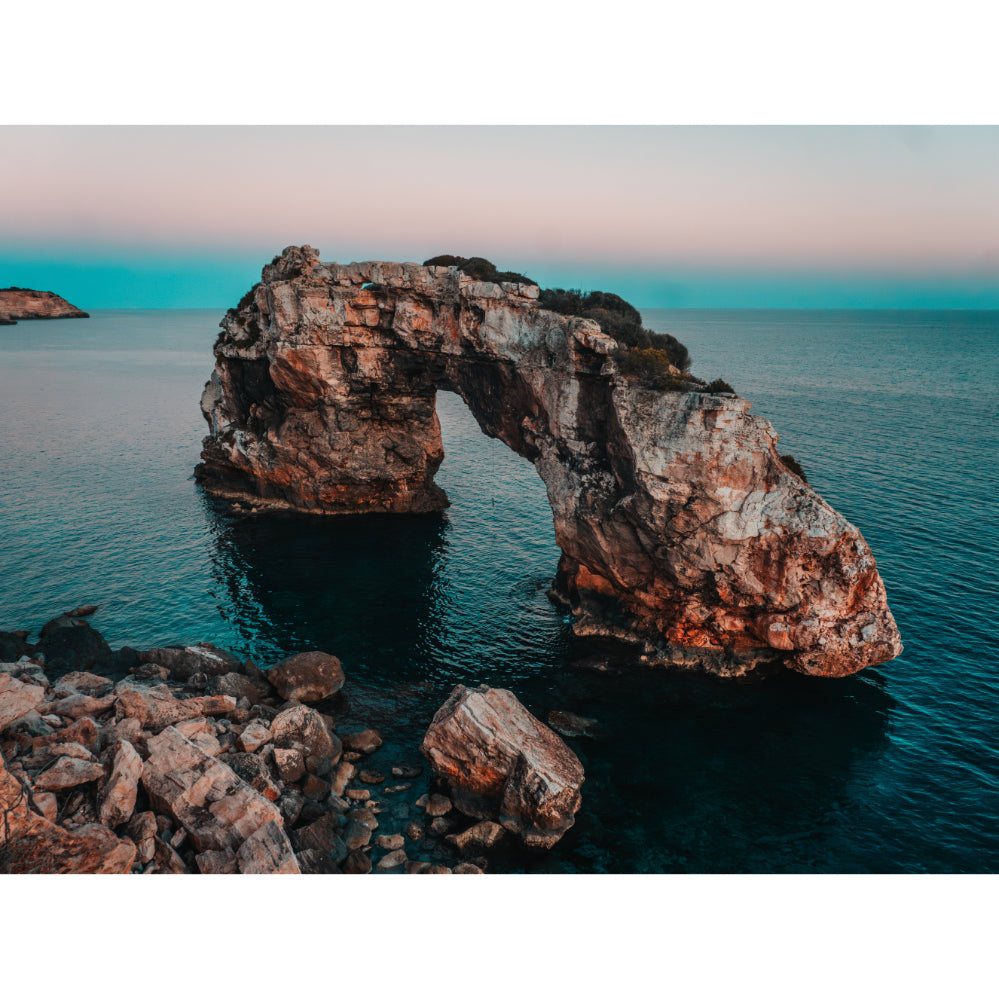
{"x":22,"y":303}
{"x":679,"y":524}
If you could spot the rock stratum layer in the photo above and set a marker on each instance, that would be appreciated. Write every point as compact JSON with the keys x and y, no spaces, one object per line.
{"x":679,"y":524}
{"x":23,"y":303}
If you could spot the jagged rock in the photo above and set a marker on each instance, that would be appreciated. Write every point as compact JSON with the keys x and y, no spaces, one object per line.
{"x":267,"y":851}
{"x":290,"y":764}
{"x":183,"y":662}
{"x":156,"y":707}
{"x":46,"y":803}
{"x":116,"y":801}
{"x":218,"y":809}
{"x":83,"y":683}
{"x":255,"y":735}
{"x":307,"y":677}
{"x":31,"y":844}
{"x":485,"y":741}
{"x":323,"y":837}
{"x":679,"y":524}
{"x":84,"y":731}
{"x":217,"y":862}
{"x":302,"y":727}
{"x":25,"y":303}
{"x":167,"y":859}
{"x":362,"y":742}
{"x":291,"y":804}
{"x":481,"y":836}
{"x":17,"y":699}
{"x":66,"y":772}
{"x":255,"y":772}
{"x":141,"y":830}
{"x":79,"y":705}
{"x":75,"y":749}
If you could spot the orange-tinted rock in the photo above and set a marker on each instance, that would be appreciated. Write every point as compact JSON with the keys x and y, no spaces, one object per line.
{"x":24,"y":303}
{"x":307,"y":677}
{"x":116,"y":801}
{"x":680,"y":526}
{"x":485,"y":741}
{"x":66,"y":772}
{"x":17,"y":699}
{"x":156,"y":707}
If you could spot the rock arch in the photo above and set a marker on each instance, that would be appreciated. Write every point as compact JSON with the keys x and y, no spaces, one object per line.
{"x":679,"y":525}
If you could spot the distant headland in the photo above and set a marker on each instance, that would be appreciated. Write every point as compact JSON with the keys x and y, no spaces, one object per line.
{"x":23,"y":303}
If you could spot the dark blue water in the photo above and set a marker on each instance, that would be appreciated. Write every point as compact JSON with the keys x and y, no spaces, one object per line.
{"x":893,"y":416}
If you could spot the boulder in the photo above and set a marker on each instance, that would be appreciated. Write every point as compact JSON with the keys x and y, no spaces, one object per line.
{"x":17,"y":699}
{"x":218,"y":809}
{"x":392,"y":860}
{"x":302,"y":727}
{"x":238,"y":686}
{"x":70,"y":644}
{"x":267,"y":851}
{"x":156,"y":707}
{"x":307,"y":677}
{"x":13,"y":645}
{"x":184,"y":661}
{"x":485,"y":741}
{"x":31,"y":844}
{"x":66,"y":772}
{"x":82,"y":705}
{"x":82,"y":682}
{"x":116,"y":802}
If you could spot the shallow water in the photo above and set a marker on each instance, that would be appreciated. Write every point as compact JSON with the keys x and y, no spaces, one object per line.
{"x":891,"y":414}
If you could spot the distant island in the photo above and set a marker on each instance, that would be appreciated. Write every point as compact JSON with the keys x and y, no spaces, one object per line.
{"x":23,"y":303}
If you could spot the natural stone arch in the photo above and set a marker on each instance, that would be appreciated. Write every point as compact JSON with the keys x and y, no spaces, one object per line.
{"x":678,"y":522}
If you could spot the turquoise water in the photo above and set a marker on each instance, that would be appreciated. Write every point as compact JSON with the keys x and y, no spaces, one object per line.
{"x":893,"y":416}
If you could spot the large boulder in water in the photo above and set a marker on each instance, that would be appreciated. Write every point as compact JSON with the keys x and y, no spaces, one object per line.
{"x":484,"y":741}
{"x":69,"y":644}
{"x":307,"y":677}
{"x":184,"y":661}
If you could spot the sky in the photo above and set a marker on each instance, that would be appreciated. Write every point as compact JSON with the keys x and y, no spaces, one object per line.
{"x":666,"y":216}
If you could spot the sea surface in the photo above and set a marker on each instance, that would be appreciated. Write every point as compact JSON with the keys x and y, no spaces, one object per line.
{"x":893,"y":416}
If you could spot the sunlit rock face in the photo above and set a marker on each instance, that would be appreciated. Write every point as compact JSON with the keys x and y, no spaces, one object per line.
{"x":679,"y":525}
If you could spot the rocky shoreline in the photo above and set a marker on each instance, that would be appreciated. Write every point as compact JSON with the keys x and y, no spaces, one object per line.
{"x":25,"y":303}
{"x":193,"y":761}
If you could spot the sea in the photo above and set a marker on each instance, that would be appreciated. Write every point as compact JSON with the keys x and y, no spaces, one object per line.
{"x":893,"y":416}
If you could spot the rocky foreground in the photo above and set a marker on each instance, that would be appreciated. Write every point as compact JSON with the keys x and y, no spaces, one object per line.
{"x":23,"y":303}
{"x":197,"y":762}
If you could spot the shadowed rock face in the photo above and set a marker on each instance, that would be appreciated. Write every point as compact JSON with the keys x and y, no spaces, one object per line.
{"x":680,"y":527}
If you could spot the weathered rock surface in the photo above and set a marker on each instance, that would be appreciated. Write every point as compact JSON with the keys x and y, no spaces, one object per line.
{"x":218,"y":809}
{"x":17,"y":699}
{"x":679,"y":524}
{"x":24,"y":303}
{"x":301,"y":727}
{"x":68,"y":771}
{"x":156,"y":707}
{"x":307,"y":677}
{"x":30,"y":843}
{"x":116,"y":801}
{"x":485,"y":741}
{"x":183,"y":662}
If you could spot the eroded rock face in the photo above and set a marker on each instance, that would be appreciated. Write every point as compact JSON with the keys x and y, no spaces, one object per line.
{"x":486,"y":742}
{"x":679,"y":524}
{"x":23,"y":303}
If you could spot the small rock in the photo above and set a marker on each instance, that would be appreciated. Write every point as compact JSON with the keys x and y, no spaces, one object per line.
{"x":358,"y":793}
{"x":481,"y":836}
{"x":85,"y":611}
{"x":393,"y":842}
{"x":47,"y":804}
{"x":407,"y":771}
{"x":315,"y":789}
{"x":417,"y":867}
{"x":290,"y":764}
{"x":167,"y":859}
{"x":217,"y":862}
{"x":362,"y":742}
{"x":438,"y":805}
{"x":356,"y":835}
{"x":421,"y":802}
{"x":366,"y":816}
{"x":74,"y":749}
{"x":467,"y":869}
{"x":574,"y":726}
{"x":254,"y":736}
{"x":357,"y":863}
{"x":414,"y":831}
{"x":116,"y":801}
{"x":396,"y":788}
{"x":440,"y":869}
{"x":290,"y":805}
{"x":370,"y":777}
{"x":392,"y":860}
{"x":141,"y":830}
{"x":441,"y":825}
{"x":352,"y":757}
{"x":341,"y":775}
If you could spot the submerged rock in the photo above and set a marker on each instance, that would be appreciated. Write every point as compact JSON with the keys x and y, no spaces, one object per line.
{"x":485,"y":741}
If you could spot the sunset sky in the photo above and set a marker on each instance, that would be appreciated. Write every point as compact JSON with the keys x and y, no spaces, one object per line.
{"x":775,"y":217}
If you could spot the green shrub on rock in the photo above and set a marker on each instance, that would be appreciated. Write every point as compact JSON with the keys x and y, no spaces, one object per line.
{"x":653,"y":367}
